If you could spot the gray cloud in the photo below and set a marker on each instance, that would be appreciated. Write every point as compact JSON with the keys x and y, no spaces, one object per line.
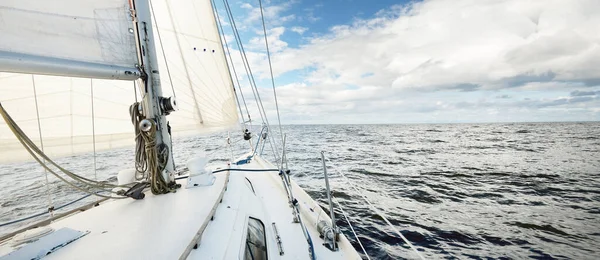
{"x":578,"y":93}
{"x":522,"y":79}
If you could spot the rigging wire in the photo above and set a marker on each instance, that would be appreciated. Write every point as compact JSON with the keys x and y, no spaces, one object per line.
{"x":271,"y":70}
{"x":37,"y":111}
{"x":351,"y":227}
{"x":242,"y":55}
{"x":220,"y":30}
{"x":377,"y":211}
{"x":162,"y":48}
{"x":43,"y":213}
{"x":246,"y":63}
{"x":259,"y":103}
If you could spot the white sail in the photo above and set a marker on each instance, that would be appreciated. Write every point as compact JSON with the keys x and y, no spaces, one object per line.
{"x":65,"y":114}
{"x":194,"y":54}
{"x":196,"y":64}
{"x":83,"y":38}
{"x":72,"y":40}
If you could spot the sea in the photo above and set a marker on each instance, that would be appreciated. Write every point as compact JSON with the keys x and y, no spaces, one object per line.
{"x":455,"y":191}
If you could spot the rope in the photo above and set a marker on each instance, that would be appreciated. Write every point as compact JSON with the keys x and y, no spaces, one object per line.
{"x":149,"y":157}
{"x":377,"y":211}
{"x":157,"y":157}
{"x":37,"y":111}
{"x":141,"y":165}
{"x":93,"y":129}
{"x":36,"y":153}
{"x":271,"y":70}
{"x":350,"y":225}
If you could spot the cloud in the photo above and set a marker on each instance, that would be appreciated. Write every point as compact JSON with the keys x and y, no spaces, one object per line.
{"x":540,"y":50}
{"x":578,"y":93}
{"x":273,"y":13}
{"x":434,"y":45}
{"x":273,"y":37}
{"x":299,"y":29}
{"x":246,"y":6}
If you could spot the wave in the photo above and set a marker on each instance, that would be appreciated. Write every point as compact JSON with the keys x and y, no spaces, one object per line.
{"x":543,"y":228}
{"x":523,"y":132}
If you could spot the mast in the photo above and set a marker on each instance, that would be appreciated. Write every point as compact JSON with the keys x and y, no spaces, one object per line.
{"x":151,"y":87}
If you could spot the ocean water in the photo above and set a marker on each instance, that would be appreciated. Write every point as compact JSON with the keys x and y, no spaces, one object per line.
{"x":501,"y":191}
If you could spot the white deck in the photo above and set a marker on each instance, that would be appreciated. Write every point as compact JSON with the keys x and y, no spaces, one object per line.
{"x":161,"y":227}
{"x":222,"y":239}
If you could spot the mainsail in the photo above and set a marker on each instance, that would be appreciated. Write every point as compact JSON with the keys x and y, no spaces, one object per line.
{"x":79,"y":39}
{"x":74,"y":41}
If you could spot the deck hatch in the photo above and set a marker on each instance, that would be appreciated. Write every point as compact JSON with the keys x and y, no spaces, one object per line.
{"x":256,"y":241}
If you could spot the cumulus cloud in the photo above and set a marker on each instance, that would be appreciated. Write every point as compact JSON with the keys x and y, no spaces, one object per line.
{"x":299,"y":29}
{"x":442,"y":44}
{"x":273,"y":14}
{"x":273,"y":37}
{"x":435,"y":46}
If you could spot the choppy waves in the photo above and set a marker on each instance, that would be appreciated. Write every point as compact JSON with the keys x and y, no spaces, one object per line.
{"x":476,"y":191}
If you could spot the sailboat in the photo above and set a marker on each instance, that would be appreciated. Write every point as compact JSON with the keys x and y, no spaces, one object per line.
{"x":71,"y":73}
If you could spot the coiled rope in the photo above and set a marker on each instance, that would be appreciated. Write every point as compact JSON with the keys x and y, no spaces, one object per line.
{"x":377,"y":211}
{"x":141,"y":165}
{"x":150,"y":158}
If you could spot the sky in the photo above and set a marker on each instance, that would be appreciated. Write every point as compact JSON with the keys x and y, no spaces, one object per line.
{"x":431,"y":61}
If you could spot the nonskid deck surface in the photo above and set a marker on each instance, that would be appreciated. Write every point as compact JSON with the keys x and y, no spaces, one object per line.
{"x":162,"y":227}
{"x":224,"y":238}
{"x":156,"y":227}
